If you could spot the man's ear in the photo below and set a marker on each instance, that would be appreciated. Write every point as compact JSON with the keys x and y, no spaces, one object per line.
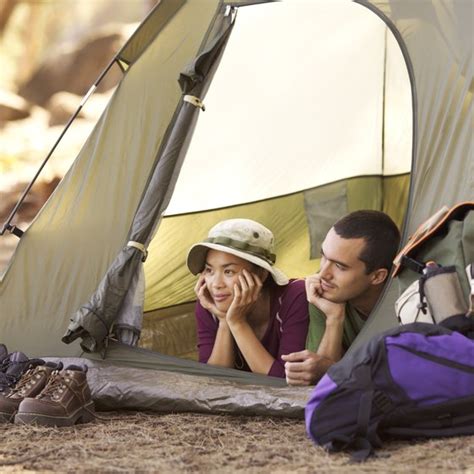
{"x":379,"y":276}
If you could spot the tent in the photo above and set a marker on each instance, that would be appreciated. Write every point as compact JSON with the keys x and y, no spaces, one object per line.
{"x":292,"y":113}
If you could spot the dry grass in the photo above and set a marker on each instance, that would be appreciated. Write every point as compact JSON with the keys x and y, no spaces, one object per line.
{"x":151,"y":442}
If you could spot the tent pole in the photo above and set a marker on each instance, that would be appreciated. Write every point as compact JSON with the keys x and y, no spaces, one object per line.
{"x":384,"y":104}
{"x":7,"y":225}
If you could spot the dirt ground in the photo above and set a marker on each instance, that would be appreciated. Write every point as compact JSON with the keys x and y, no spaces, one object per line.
{"x":153,"y":442}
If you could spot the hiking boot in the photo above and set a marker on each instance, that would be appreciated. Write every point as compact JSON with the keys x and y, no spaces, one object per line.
{"x":65,"y":401}
{"x":11,"y":369}
{"x":31,"y":383}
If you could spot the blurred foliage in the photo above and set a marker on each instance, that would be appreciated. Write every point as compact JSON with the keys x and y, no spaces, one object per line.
{"x":7,"y":162}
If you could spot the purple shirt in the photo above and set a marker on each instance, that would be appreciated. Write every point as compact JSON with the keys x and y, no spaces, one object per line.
{"x":286,"y":331}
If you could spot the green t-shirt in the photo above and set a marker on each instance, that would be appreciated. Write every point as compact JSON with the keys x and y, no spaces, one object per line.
{"x":353,"y":323}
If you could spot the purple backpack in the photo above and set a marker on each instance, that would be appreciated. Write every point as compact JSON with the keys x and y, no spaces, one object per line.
{"x":412,"y":381}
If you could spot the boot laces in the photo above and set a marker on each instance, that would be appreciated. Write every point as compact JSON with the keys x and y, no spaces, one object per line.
{"x":27,"y":380}
{"x":56,"y":385}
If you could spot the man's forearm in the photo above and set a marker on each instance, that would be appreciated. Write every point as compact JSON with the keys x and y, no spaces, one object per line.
{"x":331,"y":343}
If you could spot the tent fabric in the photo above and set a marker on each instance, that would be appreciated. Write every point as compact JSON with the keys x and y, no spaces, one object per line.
{"x":317,"y":118}
{"x":84,"y":228}
{"x":130,"y":314}
{"x":321,"y":210}
{"x":443,"y":83}
{"x":66,"y":251}
{"x":138,"y":357}
{"x":93,"y":321}
{"x":115,"y":387}
{"x":149,"y":29}
{"x":443,"y":169}
{"x":171,"y":331}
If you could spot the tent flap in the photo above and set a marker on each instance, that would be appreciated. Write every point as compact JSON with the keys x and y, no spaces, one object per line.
{"x":93,"y":321}
{"x":111,"y":294}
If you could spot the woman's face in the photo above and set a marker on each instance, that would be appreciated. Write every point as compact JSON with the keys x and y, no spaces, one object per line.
{"x":221,"y":272}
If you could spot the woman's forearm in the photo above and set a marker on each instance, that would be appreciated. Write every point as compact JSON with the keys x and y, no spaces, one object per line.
{"x":256,"y":356}
{"x":223,"y":351}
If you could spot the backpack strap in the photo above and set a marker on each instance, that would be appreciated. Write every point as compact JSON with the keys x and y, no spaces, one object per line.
{"x":365,"y":410}
{"x":431,"y":227}
{"x":366,"y":438}
{"x":460,"y":323}
{"x":361,"y":447}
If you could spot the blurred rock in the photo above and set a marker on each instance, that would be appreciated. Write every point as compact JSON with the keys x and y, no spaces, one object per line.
{"x":62,"y":106}
{"x":13,"y":107}
{"x":33,"y":202}
{"x":24,"y":144}
{"x":75,"y":69}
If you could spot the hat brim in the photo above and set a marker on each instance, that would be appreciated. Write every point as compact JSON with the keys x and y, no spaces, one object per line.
{"x":197,"y":258}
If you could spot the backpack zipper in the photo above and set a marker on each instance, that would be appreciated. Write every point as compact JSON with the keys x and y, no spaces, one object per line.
{"x":439,"y":360}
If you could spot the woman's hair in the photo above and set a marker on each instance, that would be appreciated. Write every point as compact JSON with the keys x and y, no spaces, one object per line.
{"x":261,"y":272}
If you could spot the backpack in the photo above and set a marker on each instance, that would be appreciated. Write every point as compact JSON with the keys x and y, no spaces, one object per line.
{"x":431,"y":268}
{"x":416,"y":380}
{"x":434,"y":297}
{"x":446,"y":238}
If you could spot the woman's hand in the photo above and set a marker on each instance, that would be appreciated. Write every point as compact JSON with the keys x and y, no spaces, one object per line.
{"x":246,"y":293}
{"x":206,"y":300}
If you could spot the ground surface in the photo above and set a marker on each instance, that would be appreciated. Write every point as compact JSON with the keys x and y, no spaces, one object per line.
{"x":147,"y":442}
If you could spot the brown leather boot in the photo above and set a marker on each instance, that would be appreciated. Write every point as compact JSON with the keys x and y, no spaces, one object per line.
{"x":31,"y":383}
{"x":65,"y":401}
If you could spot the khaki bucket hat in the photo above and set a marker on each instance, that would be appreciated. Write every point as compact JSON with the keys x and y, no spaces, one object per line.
{"x":243,"y":238}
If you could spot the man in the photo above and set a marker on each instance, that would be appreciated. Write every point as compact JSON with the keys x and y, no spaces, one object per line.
{"x":356,"y":257}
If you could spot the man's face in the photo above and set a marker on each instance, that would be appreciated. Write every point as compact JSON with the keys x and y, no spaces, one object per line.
{"x":343,"y":275}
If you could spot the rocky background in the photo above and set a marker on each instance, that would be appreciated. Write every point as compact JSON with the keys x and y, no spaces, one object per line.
{"x":51,"y":53}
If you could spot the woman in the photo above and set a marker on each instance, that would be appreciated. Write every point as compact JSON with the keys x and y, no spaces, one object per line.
{"x":248,"y":313}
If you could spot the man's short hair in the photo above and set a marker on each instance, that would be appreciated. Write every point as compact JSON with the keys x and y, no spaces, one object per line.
{"x":381,"y":235}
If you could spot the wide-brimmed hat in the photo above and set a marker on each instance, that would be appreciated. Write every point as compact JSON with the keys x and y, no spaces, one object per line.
{"x":243,"y":238}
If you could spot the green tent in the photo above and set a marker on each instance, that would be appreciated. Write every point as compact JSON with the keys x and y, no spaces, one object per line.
{"x":292,"y":113}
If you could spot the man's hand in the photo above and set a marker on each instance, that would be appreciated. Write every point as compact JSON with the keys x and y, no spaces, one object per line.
{"x":315,"y":296}
{"x":246,"y":293}
{"x":206,"y":300}
{"x":305,"y":367}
